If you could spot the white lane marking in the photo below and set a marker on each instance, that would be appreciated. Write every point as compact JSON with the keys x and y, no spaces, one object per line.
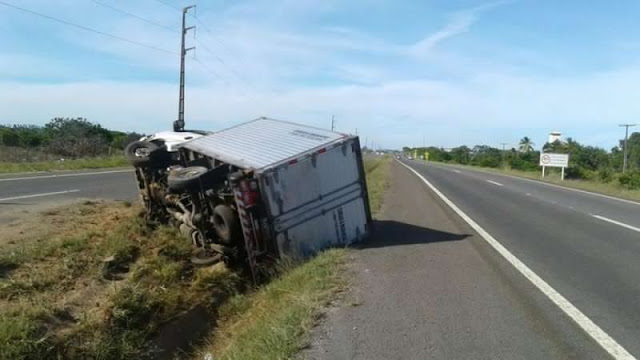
{"x":556,"y":186}
{"x":456,"y":171}
{"x":528,"y":194}
{"x":494,"y":183}
{"x":39,"y":195}
{"x":65,"y":175}
{"x":616,"y":222}
{"x":601,"y":337}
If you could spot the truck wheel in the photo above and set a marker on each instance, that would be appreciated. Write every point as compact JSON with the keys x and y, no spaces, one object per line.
{"x":186,"y":179}
{"x":139,"y":152}
{"x":226,"y":224}
{"x":203,"y":257}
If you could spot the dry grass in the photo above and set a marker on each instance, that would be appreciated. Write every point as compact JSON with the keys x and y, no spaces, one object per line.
{"x":377,"y":170}
{"x":58,"y":298}
{"x":273,"y":322}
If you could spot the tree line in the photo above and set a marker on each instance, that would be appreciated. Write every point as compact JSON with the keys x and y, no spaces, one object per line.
{"x":585,"y":162}
{"x":61,"y":138}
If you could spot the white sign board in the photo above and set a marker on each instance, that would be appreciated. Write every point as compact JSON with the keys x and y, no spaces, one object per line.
{"x":554,"y":160}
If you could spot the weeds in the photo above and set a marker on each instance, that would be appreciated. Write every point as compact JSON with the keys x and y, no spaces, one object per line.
{"x":88,"y":163}
{"x":377,"y":172}
{"x":272,"y":323}
{"x":121,"y":280}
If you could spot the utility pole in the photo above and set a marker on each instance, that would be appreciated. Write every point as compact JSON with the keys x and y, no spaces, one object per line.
{"x":178,"y":125}
{"x":503,"y":151}
{"x":332,"y":122}
{"x":626,"y":139}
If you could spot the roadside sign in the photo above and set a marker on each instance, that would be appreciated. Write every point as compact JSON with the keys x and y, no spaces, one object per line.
{"x":554,"y":160}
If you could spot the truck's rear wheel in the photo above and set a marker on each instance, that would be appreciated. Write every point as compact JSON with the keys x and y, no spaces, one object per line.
{"x":226,"y":224}
{"x":186,"y":179}
{"x":205,"y":257}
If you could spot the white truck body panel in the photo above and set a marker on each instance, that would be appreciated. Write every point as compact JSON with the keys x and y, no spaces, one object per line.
{"x":311,"y":180}
{"x":318,"y":202}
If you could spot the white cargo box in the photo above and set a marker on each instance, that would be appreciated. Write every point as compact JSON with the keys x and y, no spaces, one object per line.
{"x":311,"y":180}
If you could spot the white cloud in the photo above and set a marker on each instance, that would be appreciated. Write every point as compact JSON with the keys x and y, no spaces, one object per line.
{"x":459,"y":23}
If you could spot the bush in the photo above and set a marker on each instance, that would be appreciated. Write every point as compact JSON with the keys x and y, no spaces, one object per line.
{"x":630,"y":180}
{"x":579,"y":173}
{"x":605,"y":175}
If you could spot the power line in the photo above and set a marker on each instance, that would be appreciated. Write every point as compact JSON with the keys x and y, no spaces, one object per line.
{"x":210,"y":51}
{"x":214,"y":35}
{"x":211,"y":71}
{"x":220,"y":60}
{"x":135,"y":16}
{"x":169,"y":5}
{"x":85,"y":28}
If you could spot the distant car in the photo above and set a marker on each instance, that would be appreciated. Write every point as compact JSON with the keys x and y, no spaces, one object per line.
{"x":398,"y":157}
{"x":410,"y":158}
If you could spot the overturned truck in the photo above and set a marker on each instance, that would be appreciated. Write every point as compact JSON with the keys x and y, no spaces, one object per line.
{"x":255,"y":192}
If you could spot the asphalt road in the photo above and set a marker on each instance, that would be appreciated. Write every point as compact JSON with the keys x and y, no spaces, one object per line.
{"x":428,"y":286}
{"x":585,"y":246}
{"x":37,"y":191}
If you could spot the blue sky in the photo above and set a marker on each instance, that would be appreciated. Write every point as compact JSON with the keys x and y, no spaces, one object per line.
{"x":453,"y":72}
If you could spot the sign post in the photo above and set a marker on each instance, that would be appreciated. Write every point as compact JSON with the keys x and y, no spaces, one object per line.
{"x":554,"y":160}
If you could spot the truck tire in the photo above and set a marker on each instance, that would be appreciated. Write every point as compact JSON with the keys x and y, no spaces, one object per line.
{"x":226,"y":224}
{"x":186,"y":179}
{"x":139,"y":152}
{"x":203,"y":257}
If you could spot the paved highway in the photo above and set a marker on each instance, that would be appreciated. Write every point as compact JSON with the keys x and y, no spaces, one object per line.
{"x":585,"y":246}
{"x":37,"y":191}
{"x":533,"y":272}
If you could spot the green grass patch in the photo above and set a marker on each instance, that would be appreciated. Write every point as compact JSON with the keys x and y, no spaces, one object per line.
{"x":611,"y":188}
{"x":377,"y":171}
{"x":78,"y":164}
{"x":273,"y":322}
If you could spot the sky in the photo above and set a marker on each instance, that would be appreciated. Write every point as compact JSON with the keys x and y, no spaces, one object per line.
{"x":400,"y":73}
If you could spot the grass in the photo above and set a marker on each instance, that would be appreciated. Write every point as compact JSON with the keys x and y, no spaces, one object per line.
{"x":377,"y":172}
{"x":610,"y":188}
{"x":88,"y":163}
{"x":273,"y":322}
{"x":102,"y":286}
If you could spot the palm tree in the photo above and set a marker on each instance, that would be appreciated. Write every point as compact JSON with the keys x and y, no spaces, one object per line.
{"x":526,"y":145}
